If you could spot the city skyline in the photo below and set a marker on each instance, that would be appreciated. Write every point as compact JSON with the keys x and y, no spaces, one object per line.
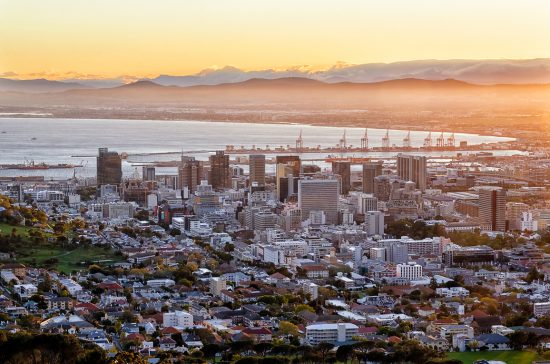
{"x":141,"y":39}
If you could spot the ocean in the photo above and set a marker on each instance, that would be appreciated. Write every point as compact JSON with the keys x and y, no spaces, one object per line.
{"x":75,"y":141}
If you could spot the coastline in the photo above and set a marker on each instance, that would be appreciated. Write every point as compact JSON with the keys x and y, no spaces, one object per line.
{"x":355,"y":125}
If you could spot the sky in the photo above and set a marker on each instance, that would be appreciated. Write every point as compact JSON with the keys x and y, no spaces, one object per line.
{"x":110,"y":38}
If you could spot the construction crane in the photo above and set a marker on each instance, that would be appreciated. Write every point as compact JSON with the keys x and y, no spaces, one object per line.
{"x":300,"y":142}
{"x":343,"y":142}
{"x":428,"y":140}
{"x":441,"y":141}
{"x":451,"y":141}
{"x":386,"y":140}
{"x":365,"y":141}
{"x":407,"y":141}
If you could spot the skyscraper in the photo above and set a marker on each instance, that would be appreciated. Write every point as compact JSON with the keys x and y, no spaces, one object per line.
{"x":148,"y":173}
{"x":370,"y":171}
{"x":374,"y":220}
{"x":256,"y":165}
{"x":291,"y":160}
{"x":220,"y":176}
{"x":343,"y":169}
{"x":109,"y":168}
{"x":190,"y":173}
{"x":492,"y":208}
{"x":319,"y":195}
{"x":413,"y":168}
{"x":288,"y":170}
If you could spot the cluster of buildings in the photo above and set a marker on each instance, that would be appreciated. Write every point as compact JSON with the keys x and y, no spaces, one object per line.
{"x":255,"y":228}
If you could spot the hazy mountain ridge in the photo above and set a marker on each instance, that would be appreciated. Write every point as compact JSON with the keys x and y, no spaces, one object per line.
{"x":472,"y":71}
{"x":37,"y":85}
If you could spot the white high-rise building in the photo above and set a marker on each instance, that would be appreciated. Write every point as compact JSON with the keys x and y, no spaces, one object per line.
{"x":375,"y":222}
{"x":410,"y":270}
{"x":217,"y":285}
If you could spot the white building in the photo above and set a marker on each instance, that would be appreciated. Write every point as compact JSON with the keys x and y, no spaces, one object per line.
{"x":179,"y":319}
{"x":71,"y":286}
{"x":161,"y":283}
{"x":410,"y":270}
{"x":330,"y":333}
{"x":540,"y":309}
{"x":452,"y":292}
{"x":25,"y":290}
{"x":375,"y":222}
{"x":528,"y":223}
{"x":312,"y":289}
{"x":217,"y":285}
{"x":378,"y":254}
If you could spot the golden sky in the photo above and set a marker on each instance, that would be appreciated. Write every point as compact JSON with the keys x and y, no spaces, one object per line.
{"x":145,"y":38}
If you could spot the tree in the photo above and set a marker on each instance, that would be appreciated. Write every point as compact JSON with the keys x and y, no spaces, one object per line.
{"x":288,"y":328}
{"x":344,"y":352}
{"x":300,"y":308}
{"x":126,"y":357}
{"x":323,"y":349}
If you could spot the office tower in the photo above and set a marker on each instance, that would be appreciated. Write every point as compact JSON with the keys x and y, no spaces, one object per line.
{"x":413,"y":168}
{"x":370,"y":171}
{"x":382,"y":187}
{"x":492,"y":208}
{"x":286,"y":181}
{"x":291,"y":160}
{"x":366,"y":202}
{"x":377,"y":254}
{"x":291,"y":219}
{"x":148,"y":173}
{"x":409,"y":270}
{"x":109,"y":168}
{"x":374,"y":220}
{"x":256,"y":165}
{"x":398,"y":253}
{"x":343,"y":169}
{"x":319,"y":195}
{"x":220,"y":177}
{"x":190,"y":173}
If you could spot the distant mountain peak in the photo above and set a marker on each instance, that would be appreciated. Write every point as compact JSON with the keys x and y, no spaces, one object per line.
{"x":141,"y":84}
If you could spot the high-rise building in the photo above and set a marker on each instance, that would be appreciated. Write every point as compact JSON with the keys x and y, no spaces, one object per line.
{"x":370,"y":171}
{"x":413,"y":168}
{"x":319,"y":195}
{"x":217,"y":285}
{"x":514,"y":214}
{"x":287,"y":173}
{"x":148,"y":173}
{"x":398,"y":253}
{"x":220,"y":176}
{"x":382,"y":187}
{"x":109,"y":168}
{"x":374,"y":220}
{"x":343,"y":169}
{"x":190,"y":174}
{"x":291,"y":160}
{"x":366,"y":202}
{"x":256,"y":164}
{"x":409,"y":270}
{"x":492,"y":208}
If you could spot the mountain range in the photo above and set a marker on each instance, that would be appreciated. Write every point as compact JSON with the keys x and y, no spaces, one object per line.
{"x":483,"y":72}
